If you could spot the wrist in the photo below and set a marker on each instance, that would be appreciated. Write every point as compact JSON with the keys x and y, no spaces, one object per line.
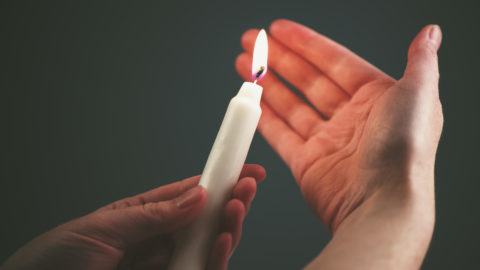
{"x":404,"y":203}
{"x":394,"y":225}
{"x":405,"y":189}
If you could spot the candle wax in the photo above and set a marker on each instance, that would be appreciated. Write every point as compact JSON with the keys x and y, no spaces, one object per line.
{"x":221,"y":172}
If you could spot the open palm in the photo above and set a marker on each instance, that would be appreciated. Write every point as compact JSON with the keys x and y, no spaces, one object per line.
{"x":359,"y":123}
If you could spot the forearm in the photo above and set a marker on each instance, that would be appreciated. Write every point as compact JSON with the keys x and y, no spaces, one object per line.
{"x":391,"y":230}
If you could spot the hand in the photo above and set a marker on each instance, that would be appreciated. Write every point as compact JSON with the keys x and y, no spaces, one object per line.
{"x":136,"y":232}
{"x":367,"y":133}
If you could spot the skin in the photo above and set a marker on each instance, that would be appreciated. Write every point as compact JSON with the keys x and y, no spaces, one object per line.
{"x":363,"y":159}
{"x":363,"y":152}
{"x":137,"y":232}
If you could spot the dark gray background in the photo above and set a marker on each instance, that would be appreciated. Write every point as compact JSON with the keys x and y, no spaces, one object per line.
{"x":104,"y":100}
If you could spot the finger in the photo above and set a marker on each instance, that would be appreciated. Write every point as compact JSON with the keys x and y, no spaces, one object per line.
{"x":172,"y":190}
{"x":220,"y":254}
{"x":122,"y":227}
{"x":278,"y":134}
{"x":422,"y":66}
{"x":253,"y":170}
{"x":162,"y":193}
{"x":320,"y":90}
{"x":300,"y":116}
{"x":245,"y":190}
{"x":232,"y":219}
{"x":344,"y":67}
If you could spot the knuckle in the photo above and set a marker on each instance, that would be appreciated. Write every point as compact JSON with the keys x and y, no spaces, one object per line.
{"x":157,"y":211}
{"x":439,"y":113}
{"x":121,"y":204}
{"x":426,"y":50}
{"x":114,"y":205}
{"x":430,"y":49}
{"x":140,"y":200}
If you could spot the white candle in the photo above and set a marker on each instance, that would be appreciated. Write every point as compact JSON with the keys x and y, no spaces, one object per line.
{"x":223,"y":166}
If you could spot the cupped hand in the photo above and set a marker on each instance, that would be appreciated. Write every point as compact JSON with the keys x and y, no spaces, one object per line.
{"x":136,"y":232}
{"x":363,"y":131}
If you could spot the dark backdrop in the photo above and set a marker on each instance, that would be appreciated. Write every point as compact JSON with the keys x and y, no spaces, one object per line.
{"x":102,"y":100}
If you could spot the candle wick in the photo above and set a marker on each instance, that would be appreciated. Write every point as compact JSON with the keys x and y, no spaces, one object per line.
{"x":258,"y":74}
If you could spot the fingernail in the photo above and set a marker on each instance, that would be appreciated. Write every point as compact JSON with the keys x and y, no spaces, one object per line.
{"x":189,"y":198}
{"x":435,"y":35}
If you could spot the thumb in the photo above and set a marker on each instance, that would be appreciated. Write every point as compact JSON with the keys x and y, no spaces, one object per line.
{"x":422,"y":66}
{"x":122,"y":227}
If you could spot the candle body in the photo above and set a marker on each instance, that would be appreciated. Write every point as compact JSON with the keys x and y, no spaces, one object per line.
{"x":221,"y":172}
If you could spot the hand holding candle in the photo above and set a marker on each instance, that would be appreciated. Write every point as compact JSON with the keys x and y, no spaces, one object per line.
{"x":224,"y":164}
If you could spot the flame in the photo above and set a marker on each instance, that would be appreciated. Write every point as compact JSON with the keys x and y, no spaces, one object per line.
{"x":260,"y":55}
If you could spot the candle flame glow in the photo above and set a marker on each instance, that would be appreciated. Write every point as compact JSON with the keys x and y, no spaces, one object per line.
{"x":260,"y":55}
